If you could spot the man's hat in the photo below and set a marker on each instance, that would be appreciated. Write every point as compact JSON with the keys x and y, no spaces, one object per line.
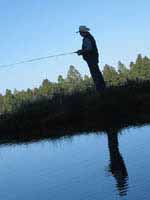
{"x":83,"y":29}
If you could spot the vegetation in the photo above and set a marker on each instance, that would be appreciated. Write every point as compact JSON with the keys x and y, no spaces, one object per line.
{"x":73,"y":103}
{"x":74,"y":82}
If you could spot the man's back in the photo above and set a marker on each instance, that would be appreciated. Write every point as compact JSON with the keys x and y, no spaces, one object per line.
{"x":89,"y":44}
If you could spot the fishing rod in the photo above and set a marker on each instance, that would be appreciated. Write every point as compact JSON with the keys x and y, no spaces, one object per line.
{"x":37,"y":59}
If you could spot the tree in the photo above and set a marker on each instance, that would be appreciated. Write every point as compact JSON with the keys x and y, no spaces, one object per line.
{"x":60,"y":79}
{"x":141,"y":68}
{"x":87,"y":82}
{"x":110,"y":75}
{"x":1,"y":104}
{"x":73,"y":76}
{"x":8,"y":101}
{"x":74,"y":79}
{"x":123,"y":72}
{"x":46,"y":88}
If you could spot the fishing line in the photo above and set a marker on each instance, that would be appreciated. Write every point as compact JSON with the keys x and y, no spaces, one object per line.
{"x":36,"y":59}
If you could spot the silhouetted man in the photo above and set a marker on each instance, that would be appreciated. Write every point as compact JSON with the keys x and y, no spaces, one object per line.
{"x":90,"y":54}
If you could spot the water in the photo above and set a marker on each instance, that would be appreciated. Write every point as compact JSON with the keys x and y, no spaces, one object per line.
{"x":86,"y":167}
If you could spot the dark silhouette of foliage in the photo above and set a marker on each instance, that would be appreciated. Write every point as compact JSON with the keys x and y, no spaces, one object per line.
{"x":138,"y":71}
{"x":74,"y":102}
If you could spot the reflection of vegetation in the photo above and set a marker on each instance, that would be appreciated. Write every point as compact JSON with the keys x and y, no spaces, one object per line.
{"x":73,"y":103}
{"x":117,"y":164}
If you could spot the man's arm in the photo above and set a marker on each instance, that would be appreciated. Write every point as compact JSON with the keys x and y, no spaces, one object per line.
{"x":87,"y":47}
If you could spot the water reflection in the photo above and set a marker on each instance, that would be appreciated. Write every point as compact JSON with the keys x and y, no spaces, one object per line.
{"x":117,"y":165}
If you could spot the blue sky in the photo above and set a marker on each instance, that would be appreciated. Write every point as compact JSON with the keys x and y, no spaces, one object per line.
{"x":35,"y":28}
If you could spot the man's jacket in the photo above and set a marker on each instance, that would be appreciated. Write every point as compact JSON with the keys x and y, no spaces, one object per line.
{"x":91,"y":53}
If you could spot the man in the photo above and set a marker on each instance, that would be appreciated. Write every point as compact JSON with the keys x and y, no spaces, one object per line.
{"x":90,"y":54}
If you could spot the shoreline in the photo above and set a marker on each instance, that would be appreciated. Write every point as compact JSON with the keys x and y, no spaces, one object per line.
{"x":64,"y":115}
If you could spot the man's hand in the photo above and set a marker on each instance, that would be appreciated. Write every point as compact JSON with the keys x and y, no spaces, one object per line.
{"x":79,"y":52}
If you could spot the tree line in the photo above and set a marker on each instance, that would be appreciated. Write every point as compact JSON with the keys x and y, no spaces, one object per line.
{"x":114,"y":76}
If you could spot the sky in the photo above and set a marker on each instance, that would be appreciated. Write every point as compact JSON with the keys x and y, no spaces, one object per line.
{"x":35,"y":28}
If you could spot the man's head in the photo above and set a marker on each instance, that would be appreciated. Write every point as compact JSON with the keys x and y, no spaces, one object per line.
{"x":83,"y":30}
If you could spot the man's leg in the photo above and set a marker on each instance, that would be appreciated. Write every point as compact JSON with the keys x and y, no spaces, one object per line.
{"x":96,"y":75}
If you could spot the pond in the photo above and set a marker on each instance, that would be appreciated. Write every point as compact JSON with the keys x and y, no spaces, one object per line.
{"x":83,"y":167}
